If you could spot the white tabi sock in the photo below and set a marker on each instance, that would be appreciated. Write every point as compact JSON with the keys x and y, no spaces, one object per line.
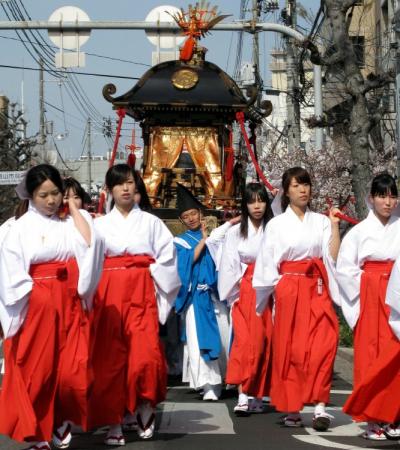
{"x":243,"y":399}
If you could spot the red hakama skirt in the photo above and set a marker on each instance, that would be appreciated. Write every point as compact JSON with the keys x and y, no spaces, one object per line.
{"x":126,"y":353}
{"x":249,"y":357}
{"x":304,"y":337}
{"x":372,"y":332}
{"x":377,"y":396}
{"x":46,"y":377}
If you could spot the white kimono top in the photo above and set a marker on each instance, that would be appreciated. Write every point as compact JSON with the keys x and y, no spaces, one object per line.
{"x":237,"y":253}
{"x":368,"y":240}
{"x":35,"y":238}
{"x":287,"y":238}
{"x":216,"y":241}
{"x":141,"y":233}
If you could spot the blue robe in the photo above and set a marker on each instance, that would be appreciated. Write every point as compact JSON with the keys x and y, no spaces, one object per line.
{"x":198,"y":280}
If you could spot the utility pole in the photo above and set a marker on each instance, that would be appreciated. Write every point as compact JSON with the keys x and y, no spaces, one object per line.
{"x":397,"y":95}
{"x":292,"y":101}
{"x":256,"y":13}
{"x":256,"y":10}
{"x":42,"y":125}
{"x":89,"y":156}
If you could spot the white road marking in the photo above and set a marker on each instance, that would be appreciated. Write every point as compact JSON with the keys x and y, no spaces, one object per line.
{"x":322,"y":442}
{"x":310,"y":409}
{"x":341,"y":391}
{"x":342,"y":426}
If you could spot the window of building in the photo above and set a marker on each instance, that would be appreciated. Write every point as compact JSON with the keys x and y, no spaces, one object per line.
{"x":358,"y":46}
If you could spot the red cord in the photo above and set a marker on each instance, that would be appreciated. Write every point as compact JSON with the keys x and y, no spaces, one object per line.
{"x":121,"y":112}
{"x":347,"y":218}
{"x":341,"y":214}
{"x":240,"y":119}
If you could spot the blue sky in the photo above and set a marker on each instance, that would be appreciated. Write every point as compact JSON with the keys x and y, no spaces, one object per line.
{"x":127,"y":45}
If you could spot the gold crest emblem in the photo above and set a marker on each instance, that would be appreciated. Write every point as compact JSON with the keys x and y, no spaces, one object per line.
{"x":184,"y":79}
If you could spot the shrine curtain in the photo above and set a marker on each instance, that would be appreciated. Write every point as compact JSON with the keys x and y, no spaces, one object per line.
{"x":166,"y":145}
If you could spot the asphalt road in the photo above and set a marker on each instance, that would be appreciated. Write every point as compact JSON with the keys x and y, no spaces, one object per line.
{"x":185,"y":422}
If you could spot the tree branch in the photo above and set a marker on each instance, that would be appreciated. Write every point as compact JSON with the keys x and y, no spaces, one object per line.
{"x":374,"y":81}
{"x":376,"y":117}
{"x":322,"y":122}
{"x":346,"y":4}
{"x":319,"y":60}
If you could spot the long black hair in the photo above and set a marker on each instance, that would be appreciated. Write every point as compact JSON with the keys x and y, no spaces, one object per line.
{"x":34,"y":178}
{"x":300,"y":175}
{"x":253,"y":192}
{"x":144,"y":203}
{"x":118,"y":174}
{"x":382,"y":184}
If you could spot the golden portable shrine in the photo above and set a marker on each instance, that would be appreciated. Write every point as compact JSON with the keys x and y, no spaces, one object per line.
{"x":186,"y":109}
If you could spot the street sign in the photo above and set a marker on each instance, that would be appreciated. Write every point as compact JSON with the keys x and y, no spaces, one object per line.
{"x":11,"y":177}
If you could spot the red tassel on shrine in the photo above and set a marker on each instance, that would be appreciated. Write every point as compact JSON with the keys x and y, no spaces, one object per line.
{"x":131,"y":161}
{"x":230,"y":158}
{"x":187,"y":49}
{"x":229,"y":163}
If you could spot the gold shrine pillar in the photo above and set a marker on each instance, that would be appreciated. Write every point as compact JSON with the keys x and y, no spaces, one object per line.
{"x":165,"y":146}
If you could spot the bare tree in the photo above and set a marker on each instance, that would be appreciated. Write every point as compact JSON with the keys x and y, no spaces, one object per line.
{"x":16,"y":151}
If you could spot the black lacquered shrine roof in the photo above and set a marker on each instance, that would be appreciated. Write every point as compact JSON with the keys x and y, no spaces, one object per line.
{"x":157,"y":92}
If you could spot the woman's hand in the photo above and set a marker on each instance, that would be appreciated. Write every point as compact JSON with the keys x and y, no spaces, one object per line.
{"x":275,"y":192}
{"x":80,"y":222}
{"x":333,"y":217}
{"x":73,"y":210}
{"x":203,"y":230}
{"x":235,"y":220}
{"x":335,"y":237}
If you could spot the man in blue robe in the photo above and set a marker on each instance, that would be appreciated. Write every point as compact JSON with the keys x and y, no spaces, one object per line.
{"x":197,"y":300}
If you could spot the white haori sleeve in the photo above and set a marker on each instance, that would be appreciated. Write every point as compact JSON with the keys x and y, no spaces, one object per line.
{"x":266,"y":274}
{"x":89,"y":259}
{"x":215,"y":242}
{"x":328,"y":261}
{"x":231,"y":270}
{"x":165,"y":270}
{"x":12,"y":316}
{"x":16,"y":283}
{"x":4,"y":228}
{"x":348,"y":274}
{"x":393,"y":298}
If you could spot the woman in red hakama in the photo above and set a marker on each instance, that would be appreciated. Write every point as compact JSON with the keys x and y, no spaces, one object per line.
{"x":138,"y":286}
{"x":376,"y":399}
{"x":295,"y":263}
{"x":249,"y":355}
{"x":365,"y":262}
{"x":42,"y":295}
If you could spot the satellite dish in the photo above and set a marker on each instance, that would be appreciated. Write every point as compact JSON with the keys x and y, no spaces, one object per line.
{"x":165,"y":39}
{"x":70,"y":40}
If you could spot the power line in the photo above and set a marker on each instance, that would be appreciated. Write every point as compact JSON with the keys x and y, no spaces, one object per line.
{"x":96,"y":55}
{"x":6,"y":66}
{"x":76,"y":93}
